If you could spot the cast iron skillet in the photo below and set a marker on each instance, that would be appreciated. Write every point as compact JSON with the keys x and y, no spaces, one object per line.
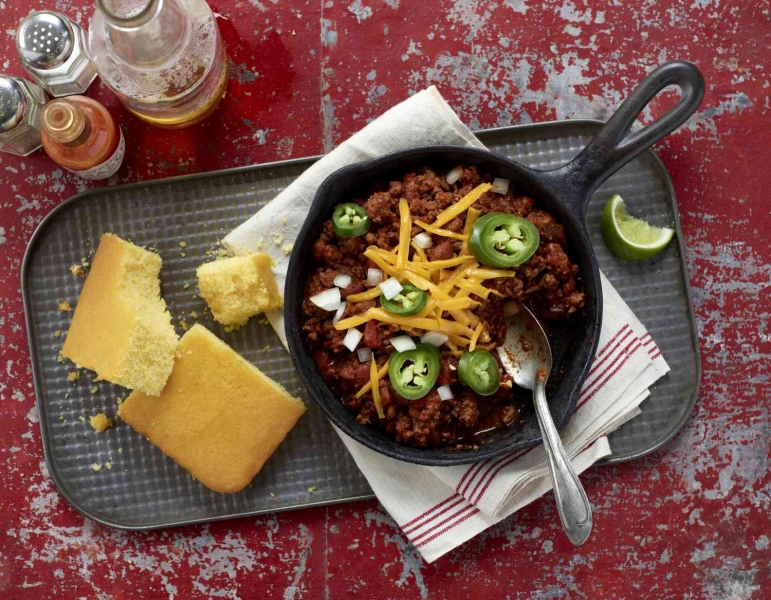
{"x":564,"y":192}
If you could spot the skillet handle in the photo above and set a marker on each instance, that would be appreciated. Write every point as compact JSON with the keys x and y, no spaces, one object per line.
{"x":614,"y":146}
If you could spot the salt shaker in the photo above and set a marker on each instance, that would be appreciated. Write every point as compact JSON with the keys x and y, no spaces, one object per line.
{"x":52,"y":49}
{"x":21,"y":103}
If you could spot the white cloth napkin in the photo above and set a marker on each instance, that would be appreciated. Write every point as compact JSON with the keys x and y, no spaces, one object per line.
{"x":439,"y":508}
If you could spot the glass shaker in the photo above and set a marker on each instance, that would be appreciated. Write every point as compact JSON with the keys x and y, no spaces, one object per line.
{"x":21,"y":102}
{"x":52,"y":49}
{"x":164,"y":59}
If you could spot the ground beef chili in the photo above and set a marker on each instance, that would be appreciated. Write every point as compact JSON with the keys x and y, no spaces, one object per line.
{"x":548,"y":281}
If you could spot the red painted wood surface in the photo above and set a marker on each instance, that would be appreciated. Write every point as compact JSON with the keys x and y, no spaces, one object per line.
{"x":690,"y":521}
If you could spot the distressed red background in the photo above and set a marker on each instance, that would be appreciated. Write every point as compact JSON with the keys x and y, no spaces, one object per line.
{"x":691,"y":520}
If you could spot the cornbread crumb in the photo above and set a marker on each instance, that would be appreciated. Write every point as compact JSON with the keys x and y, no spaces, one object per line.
{"x":194,"y":314}
{"x":108,"y":464}
{"x":73,"y":376}
{"x":238,"y":288}
{"x":82,"y":419}
{"x":265,"y":348}
{"x":284,"y":220}
{"x":78,"y":271}
{"x":120,"y":449}
{"x":278,"y":238}
{"x":66,"y":395}
{"x":119,"y":400}
{"x":62,"y":419}
{"x":287,"y":249}
{"x":183,"y":254}
{"x":260,"y":245}
{"x":186,"y":286}
{"x":183,"y":324}
{"x":96,"y":467}
{"x":100,"y":423}
{"x":94,"y":389}
{"x":272,"y":495}
{"x":60,"y":358}
{"x":183,"y":244}
{"x":219,"y":253}
{"x":65,"y":307}
{"x":311,"y":490}
{"x":122,"y":328}
{"x":58,"y":333}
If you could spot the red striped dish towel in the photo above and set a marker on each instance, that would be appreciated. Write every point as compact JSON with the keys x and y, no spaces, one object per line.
{"x":439,"y":508}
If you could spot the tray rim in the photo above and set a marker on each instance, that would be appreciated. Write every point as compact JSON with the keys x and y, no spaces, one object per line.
{"x":308,"y":160}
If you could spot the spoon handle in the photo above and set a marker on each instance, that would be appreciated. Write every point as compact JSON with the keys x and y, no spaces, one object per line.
{"x":572,"y":503}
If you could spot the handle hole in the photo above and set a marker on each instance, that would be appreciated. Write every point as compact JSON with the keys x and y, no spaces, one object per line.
{"x":663,"y":102}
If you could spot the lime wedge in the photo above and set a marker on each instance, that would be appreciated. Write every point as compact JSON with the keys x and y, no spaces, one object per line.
{"x":630,"y":238}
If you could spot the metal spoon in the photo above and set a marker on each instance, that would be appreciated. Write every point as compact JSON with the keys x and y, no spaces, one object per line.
{"x":526,"y":356}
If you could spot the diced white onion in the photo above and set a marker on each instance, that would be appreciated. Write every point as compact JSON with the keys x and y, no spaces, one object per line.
{"x":403,"y":343}
{"x":423,"y":240}
{"x":374,"y":276}
{"x":342,"y":280}
{"x":328,"y":299}
{"x":390,"y":288}
{"x":453,"y":368}
{"x":510,"y":309}
{"x":339,"y":312}
{"x":500,"y":186}
{"x":445,"y":393}
{"x":454,"y":175}
{"x":434,"y":338}
{"x":365,"y":354}
{"x":352,"y":339}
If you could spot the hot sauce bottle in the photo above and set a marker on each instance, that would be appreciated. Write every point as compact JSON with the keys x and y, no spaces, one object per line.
{"x":79,"y":134}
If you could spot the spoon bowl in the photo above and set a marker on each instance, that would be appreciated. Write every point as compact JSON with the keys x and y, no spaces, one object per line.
{"x":526,"y":356}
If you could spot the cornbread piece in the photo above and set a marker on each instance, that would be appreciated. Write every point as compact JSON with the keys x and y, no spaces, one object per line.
{"x":238,"y":288}
{"x":100,"y":422}
{"x":219,"y":417}
{"x":121,"y":328}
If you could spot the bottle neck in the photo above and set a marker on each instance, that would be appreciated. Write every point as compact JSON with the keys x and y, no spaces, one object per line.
{"x":65,"y":123}
{"x":146,"y":33}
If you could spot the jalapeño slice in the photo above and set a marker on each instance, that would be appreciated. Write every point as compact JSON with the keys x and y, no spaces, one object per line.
{"x":410,"y":301}
{"x":413,"y":373}
{"x":350,"y":220}
{"x":479,"y":371}
{"x":502,"y":240}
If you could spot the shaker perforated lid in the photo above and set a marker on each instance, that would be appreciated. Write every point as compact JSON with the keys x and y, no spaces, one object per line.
{"x":44,"y":39}
{"x":12,"y":103}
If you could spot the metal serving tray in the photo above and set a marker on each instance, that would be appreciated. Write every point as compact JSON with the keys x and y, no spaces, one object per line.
{"x":144,"y":489}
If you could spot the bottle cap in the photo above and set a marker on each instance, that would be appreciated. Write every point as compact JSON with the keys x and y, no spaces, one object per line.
{"x":63,"y":121}
{"x":12,"y":103}
{"x":44,"y":40}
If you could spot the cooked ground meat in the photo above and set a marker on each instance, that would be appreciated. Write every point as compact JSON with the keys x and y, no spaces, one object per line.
{"x":549,"y":282}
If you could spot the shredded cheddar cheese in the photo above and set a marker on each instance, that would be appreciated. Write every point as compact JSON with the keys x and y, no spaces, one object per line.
{"x":490,"y":273}
{"x":405,"y":228}
{"x":472,"y":214}
{"x":461,"y":205}
{"x":374,"y":382}
{"x":370,"y":294}
{"x":457,"y":303}
{"x":475,"y":338}
{"x":420,"y":254}
{"x":368,"y":386}
{"x":450,"y":262}
{"x":442,"y":232}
